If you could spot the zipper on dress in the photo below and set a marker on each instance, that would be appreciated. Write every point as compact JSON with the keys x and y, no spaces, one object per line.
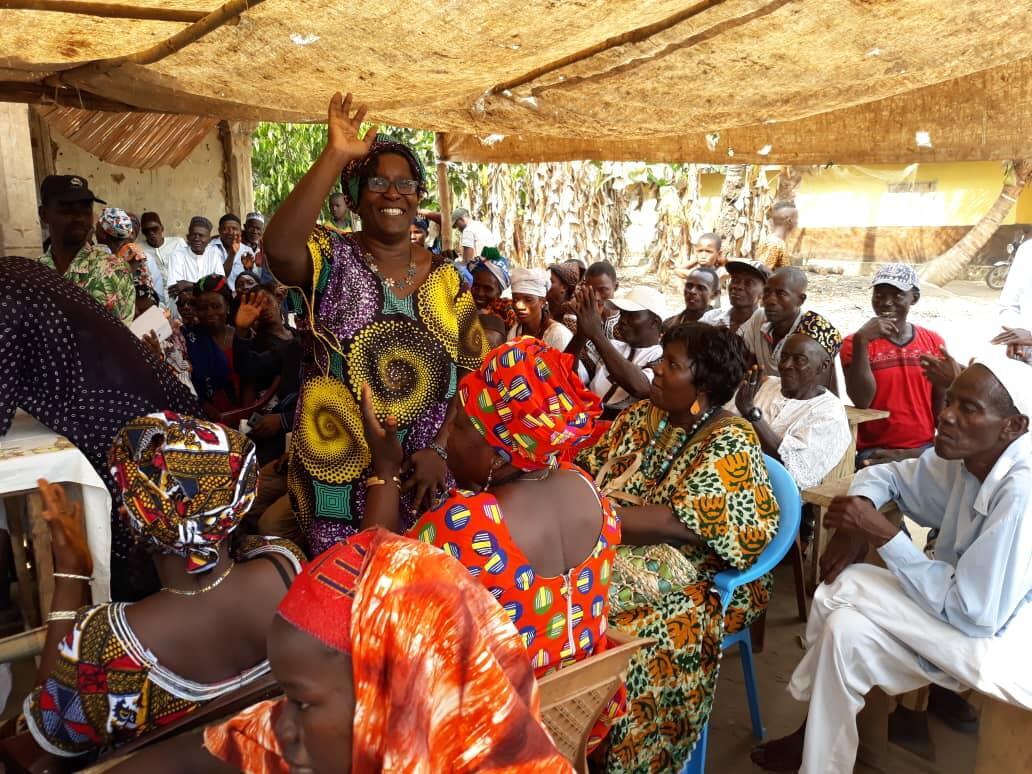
{"x":569,"y":612}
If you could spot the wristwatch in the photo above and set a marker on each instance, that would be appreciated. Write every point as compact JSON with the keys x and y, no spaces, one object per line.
{"x":753,"y":414}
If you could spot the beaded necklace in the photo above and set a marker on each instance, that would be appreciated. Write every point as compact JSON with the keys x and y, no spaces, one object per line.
{"x":390,"y":282}
{"x":202,"y":589}
{"x":652,"y":451}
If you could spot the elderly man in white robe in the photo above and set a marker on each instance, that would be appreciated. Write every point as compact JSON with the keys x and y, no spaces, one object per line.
{"x":962,"y":619}
{"x":799,"y":422}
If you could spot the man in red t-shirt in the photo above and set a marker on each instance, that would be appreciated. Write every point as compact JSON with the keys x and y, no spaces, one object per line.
{"x":882,"y":365}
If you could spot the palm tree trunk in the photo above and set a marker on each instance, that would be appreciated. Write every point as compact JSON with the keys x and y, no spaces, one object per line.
{"x":729,"y":224}
{"x":678,"y":222}
{"x":952,"y":264}
{"x":788,"y":183}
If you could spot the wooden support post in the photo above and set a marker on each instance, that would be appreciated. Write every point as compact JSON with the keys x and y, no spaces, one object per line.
{"x":443,"y":191}
{"x":42,"y":553}
{"x":19,"y":225}
{"x":106,"y":10}
{"x":236,"y":149}
{"x":16,"y":526}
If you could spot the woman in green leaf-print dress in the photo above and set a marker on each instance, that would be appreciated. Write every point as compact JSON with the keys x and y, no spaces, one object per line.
{"x":707,"y":506}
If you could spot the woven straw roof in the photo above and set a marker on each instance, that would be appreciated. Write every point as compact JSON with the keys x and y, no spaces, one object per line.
{"x":816,"y":80}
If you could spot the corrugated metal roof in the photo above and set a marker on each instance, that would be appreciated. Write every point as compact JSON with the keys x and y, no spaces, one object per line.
{"x":135,"y":140}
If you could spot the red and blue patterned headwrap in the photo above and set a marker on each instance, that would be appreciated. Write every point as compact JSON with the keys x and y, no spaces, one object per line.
{"x":528,"y":403}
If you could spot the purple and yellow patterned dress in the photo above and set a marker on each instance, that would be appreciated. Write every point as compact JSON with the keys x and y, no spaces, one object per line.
{"x":409,"y":350}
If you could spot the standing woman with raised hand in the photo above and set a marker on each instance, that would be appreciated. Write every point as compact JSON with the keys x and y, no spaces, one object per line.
{"x":378,"y":309}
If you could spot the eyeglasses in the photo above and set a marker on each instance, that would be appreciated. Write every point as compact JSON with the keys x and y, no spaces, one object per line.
{"x":406,"y":186}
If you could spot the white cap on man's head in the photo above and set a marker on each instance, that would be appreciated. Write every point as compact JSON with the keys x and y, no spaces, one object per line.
{"x":899,"y":275}
{"x":1015,"y":376}
{"x":640,"y":299}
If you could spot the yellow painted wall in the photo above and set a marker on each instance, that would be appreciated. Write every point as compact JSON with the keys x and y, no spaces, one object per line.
{"x":858,"y":196}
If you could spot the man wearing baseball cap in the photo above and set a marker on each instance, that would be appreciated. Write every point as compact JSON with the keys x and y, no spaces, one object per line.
{"x":744,"y":290}
{"x":623,"y":375}
{"x":882,"y":365}
{"x":66,"y":207}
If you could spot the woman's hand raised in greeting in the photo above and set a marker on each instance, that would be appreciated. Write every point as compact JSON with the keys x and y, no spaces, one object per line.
{"x":345,"y":129}
{"x":250,"y":309}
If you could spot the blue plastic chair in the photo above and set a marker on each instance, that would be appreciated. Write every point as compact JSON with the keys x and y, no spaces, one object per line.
{"x":787,"y":494}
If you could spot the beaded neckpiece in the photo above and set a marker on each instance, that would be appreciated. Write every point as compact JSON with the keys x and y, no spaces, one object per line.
{"x":654,"y":458}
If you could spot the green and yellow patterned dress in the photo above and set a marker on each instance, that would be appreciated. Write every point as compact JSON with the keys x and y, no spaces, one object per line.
{"x":718,"y":487}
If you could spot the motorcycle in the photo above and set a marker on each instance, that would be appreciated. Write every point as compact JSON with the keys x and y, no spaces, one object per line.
{"x":996,"y":277}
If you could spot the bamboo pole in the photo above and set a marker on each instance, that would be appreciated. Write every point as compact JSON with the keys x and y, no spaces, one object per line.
{"x":443,"y":191}
{"x":632,"y":36}
{"x":22,"y":645}
{"x":182,"y":39}
{"x":105,"y":10}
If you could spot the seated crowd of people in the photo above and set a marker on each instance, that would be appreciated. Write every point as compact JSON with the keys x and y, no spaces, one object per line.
{"x":413,"y":484}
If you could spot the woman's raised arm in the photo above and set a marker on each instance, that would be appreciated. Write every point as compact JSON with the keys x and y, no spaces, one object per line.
{"x":285,"y":240}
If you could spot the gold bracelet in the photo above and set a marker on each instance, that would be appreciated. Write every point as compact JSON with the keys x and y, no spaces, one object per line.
{"x":374,"y":481}
{"x":61,"y":615}
{"x":73,"y":576}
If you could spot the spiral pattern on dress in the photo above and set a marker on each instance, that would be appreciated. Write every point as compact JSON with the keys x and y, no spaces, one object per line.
{"x":436,"y":298}
{"x":406,"y":369}
{"x":472,"y":341}
{"x":330,"y":439}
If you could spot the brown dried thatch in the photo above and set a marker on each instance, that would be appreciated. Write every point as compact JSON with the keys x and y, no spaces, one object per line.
{"x":136,"y":140}
{"x":816,"y":80}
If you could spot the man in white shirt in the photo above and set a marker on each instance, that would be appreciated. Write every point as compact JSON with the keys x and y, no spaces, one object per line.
{"x":229,"y":248}
{"x":799,"y":423}
{"x":744,"y":290}
{"x":962,"y":619}
{"x":475,"y":235}
{"x":159,"y":249}
{"x":1016,"y":300}
{"x":623,"y":375}
{"x":188,"y":264}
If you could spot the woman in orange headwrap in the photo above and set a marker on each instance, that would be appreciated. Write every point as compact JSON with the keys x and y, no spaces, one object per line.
{"x":392,"y":658}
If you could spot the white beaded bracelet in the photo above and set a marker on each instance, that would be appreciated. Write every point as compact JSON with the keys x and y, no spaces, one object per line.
{"x":73,"y":576}
{"x":61,"y":615}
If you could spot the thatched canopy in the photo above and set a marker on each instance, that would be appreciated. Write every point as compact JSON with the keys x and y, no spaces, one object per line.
{"x":779,"y":81}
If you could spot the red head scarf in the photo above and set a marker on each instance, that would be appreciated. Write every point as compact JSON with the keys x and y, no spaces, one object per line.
{"x":528,"y":403}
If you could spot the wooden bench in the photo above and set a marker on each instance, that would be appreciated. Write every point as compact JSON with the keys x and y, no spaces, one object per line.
{"x":1003,"y":739}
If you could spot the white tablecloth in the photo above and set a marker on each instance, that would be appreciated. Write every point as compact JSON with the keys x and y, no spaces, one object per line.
{"x":29,"y":452}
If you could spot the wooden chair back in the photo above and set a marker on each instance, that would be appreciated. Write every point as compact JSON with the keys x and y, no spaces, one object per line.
{"x":573,"y":697}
